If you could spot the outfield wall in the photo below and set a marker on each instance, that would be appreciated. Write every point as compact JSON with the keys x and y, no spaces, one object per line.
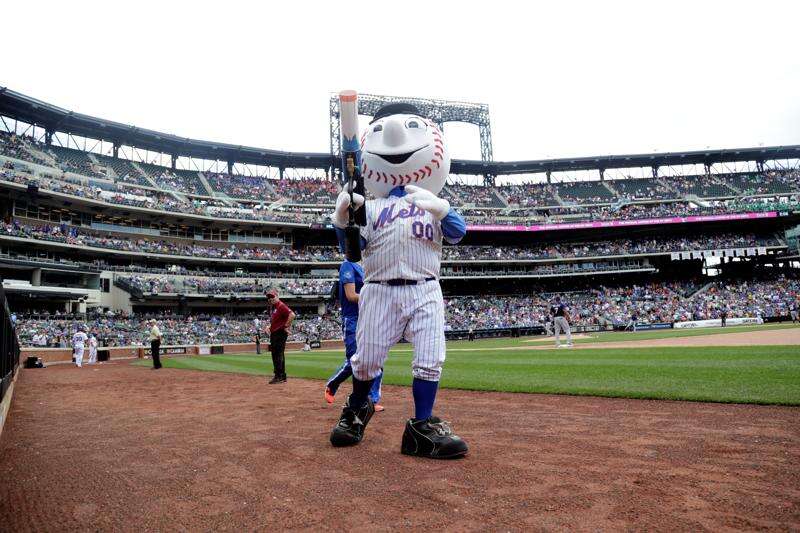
{"x":64,"y":355}
{"x":716,"y":323}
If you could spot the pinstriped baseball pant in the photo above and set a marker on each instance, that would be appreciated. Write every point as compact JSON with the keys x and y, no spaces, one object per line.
{"x":387,"y":314}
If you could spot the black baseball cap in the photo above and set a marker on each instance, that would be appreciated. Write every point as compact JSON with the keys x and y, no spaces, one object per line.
{"x":397,"y":108}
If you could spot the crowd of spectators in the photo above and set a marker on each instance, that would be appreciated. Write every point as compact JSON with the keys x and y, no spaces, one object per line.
{"x":588,"y":192}
{"x":122,"y":329}
{"x":528,"y":194}
{"x":527,"y":202}
{"x":475,"y":195}
{"x":606,"y":247}
{"x":151,"y":199}
{"x":307,"y":190}
{"x":642,"y":189}
{"x":646,"y":304}
{"x":80,"y":236}
{"x":323,"y":191}
{"x":658,"y":302}
{"x":14,"y":146}
{"x":544,"y":270}
{"x":83,"y":237}
{"x":704,"y":186}
{"x":248,"y":187}
{"x":181,"y":181}
{"x":75,"y":161}
{"x":215,"y":285}
{"x":769,"y":182}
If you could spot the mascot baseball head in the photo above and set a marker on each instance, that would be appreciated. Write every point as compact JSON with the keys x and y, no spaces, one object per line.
{"x":401,"y":147}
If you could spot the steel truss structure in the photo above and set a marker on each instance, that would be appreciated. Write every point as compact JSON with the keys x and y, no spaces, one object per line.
{"x":439,"y":111}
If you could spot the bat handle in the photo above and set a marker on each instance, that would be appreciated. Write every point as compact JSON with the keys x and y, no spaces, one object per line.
{"x":352,"y":243}
{"x":352,"y":248}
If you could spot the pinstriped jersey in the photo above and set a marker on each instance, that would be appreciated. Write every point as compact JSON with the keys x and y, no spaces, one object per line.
{"x":402,"y":241}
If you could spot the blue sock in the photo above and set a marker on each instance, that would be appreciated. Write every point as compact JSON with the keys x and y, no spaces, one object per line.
{"x":360,"y":392}
{"x":424,"y":397}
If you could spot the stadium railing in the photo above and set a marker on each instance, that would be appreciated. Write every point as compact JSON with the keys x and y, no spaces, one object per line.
{"x":9,"y":346}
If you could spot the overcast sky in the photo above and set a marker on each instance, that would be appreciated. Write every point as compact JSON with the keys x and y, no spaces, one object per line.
{"x":561,"y":78}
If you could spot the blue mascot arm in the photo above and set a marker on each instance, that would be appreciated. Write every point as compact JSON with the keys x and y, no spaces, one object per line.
{"x":340,"y":236}
{"x":454,"y":227}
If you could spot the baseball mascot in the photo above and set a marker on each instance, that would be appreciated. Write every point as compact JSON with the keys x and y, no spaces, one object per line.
{"x":404,"y":164}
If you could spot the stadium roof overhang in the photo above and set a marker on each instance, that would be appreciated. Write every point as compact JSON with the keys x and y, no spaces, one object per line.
{"x":699,"y":157}
{"x":48,"y":116}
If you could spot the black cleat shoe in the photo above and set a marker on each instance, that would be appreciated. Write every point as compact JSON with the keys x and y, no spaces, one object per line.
{"x":277,"y":379}
{"x":432,"y":438}
{"x":350,"y":429}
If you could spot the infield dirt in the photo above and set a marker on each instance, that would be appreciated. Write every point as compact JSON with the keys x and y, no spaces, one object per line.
{"x":120,"y":447}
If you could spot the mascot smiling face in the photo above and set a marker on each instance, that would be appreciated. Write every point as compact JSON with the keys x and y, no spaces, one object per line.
{"x":400,"y":147}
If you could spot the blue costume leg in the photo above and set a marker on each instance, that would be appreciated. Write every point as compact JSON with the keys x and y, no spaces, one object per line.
{"x":344,"y":371}
{"x":375,"y":391}
{"x":340,"y":376}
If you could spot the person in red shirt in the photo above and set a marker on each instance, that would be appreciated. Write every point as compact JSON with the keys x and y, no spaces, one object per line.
{"x":279,"y":326}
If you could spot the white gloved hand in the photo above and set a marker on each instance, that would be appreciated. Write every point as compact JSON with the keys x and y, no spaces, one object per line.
{"x":340,"y":216}
{"x":426,"y":200}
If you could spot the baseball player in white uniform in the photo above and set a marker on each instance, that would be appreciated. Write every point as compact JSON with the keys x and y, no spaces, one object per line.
{"x":92,"y":349}
{"x":78,"y":345}
{"x":404,"y":165}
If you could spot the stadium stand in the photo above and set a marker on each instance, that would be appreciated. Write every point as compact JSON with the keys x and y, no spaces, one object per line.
{"x":242,"y":186}
{"x":528,"y":195}
{"x":14,"y":146}
{"x":75,"y":161}
{"x":124,"y":170}
{"x":112,"y":242}
{"x":765,"y":183}
{"x":606,"y":307}
{"x":642,"y":189}
{"x":475,"y":195}
{"x":592,"y":192}
{"x":307,"y":190}
{"x":701,"y":186}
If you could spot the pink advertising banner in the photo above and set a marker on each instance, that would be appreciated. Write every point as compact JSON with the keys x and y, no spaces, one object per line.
{"x":621,"y":223}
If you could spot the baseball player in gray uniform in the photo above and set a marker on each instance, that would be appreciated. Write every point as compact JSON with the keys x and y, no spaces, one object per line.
{"x":404,"y":165}
{"x":560,"y":313}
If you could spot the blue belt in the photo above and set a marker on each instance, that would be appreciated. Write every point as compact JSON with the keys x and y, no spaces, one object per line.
{"x":397,"y":282}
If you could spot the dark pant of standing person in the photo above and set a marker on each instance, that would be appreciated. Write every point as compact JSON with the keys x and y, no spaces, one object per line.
{"x":155,"y":346}
{"x":277,"y":345}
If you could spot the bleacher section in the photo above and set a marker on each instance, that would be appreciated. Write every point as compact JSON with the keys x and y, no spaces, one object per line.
{"x":584,"y":192}
{"x":642,"y":189}
{"x":75,"y":161}
{"x":307,"y":190}
{"x":476,"y":195}
{"x":246,"y":187}
{"x":701,"y":186}
{"x":529,"y":195}
{"x":766,"y":183}
{"x":501,"y":204}
{"x":124,"y":170}
{"x":13,"y":146}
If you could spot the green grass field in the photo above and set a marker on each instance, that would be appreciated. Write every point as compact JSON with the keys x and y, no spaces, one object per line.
{"x":746,"y":374}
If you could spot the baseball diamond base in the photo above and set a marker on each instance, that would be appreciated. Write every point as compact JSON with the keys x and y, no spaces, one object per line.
{"x":180,"y":449}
